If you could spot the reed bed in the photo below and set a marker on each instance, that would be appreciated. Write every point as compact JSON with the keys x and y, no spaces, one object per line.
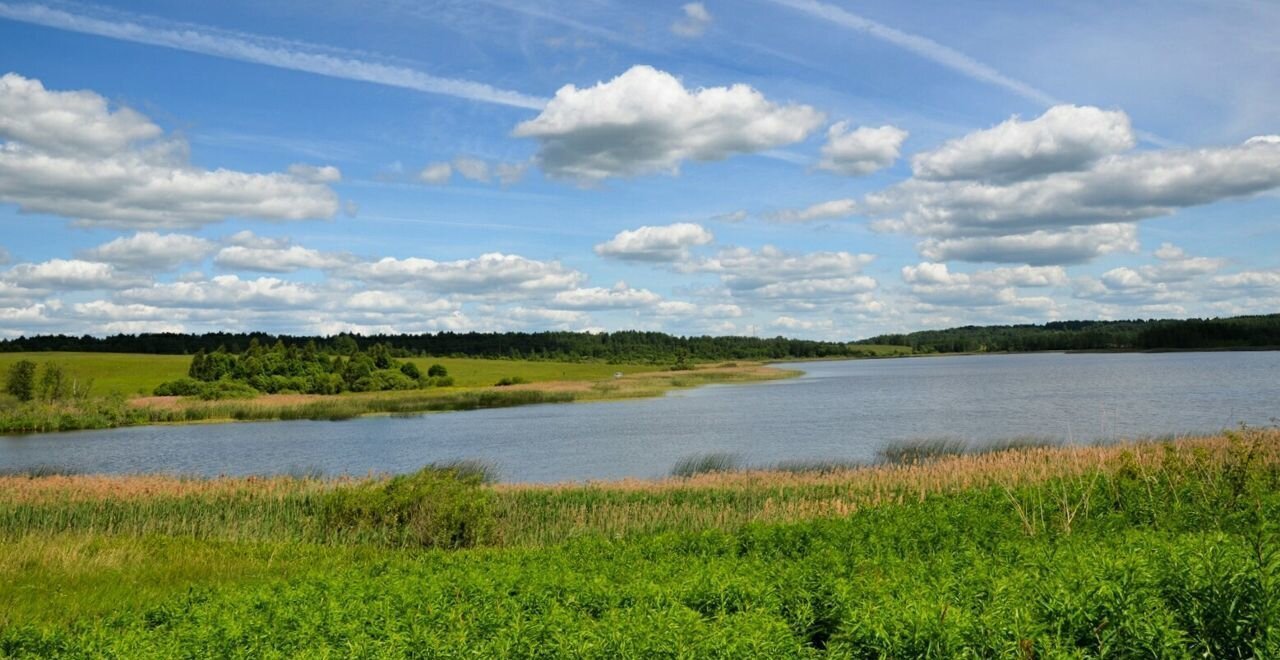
{"x":281,"y":508}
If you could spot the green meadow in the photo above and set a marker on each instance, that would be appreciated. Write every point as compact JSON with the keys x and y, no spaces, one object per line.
{"x":130,"y":374}
{"x":1152,"y":549}
{"x":135,"y":374}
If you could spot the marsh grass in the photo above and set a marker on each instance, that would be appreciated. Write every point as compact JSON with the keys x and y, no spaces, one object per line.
{"x":709,"y":463}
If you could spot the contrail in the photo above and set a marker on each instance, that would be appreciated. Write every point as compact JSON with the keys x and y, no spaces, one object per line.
{"x":296,"y":56}
{"x":937,"y":53}
{"x":922,"y":46}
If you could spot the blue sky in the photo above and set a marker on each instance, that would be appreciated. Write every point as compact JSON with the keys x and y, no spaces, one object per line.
{"x":815,"y":169}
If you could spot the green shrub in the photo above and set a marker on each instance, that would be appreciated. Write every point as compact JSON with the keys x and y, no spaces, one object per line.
{"x":435,"y":507}
{"x":180,"y":387}
{"x":21,"y":381}
{"x":511,"y":380}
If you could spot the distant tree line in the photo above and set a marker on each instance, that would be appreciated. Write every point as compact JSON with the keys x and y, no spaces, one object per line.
{"x":1235,"y":332}
{"x":661,"y":348}
{"x":306,"y":370}
{"x":616,"y":347}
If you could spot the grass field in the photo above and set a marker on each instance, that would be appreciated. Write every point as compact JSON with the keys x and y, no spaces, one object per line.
{"x":474,"y":388}
{"x":125,"y":373}
{"x":138,"y":374}
{"x":1141,"y":550}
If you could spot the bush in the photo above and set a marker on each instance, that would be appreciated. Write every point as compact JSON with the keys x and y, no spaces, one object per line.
{"x":21,"y":382}
{"x":435,"y":507}
{"x":411,"y":370}
{"x":180,"y":387}
{"x":227,"y":389}
{"x":437,"y":371}
{"x":511,"y":380}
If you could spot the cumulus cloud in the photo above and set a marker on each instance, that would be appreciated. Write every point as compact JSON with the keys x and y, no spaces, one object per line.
{"x":656,"y":243}
{"x":645,"y":121}
{"x":1069,"y":246}
{"x":227,"y":292}
{"x":695,"y":21}
{"x":151,"y":250}
{"x":489,"y":274}
{"x":68,"y":274}
{"x":936,"y":284}
{"x":619,"y":296}
{"x":1065,"y":138}
{"x":861,"y":151}
{"x":70,"y":154}
{"x":771,"y":273}
{"x":277,"y":256}
{"x":979,"y":200}
{"x":436,"y":174}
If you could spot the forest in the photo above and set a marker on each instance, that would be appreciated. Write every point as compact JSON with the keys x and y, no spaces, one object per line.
{"x":306,"y":370}
{"x":1136,"y":335}
{"x":638,"y":347}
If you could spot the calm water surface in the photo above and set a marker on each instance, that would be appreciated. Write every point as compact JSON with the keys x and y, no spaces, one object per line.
{"x":837,"y":410}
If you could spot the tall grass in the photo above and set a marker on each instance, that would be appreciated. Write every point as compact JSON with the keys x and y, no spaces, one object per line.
{"x":1138,"y":550}
{"x":709,"y":463}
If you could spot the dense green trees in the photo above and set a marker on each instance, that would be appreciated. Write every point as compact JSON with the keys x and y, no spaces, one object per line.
{"x":21,"y":380}
{"x":293,"y":368}
{"x":659,"y":348}
{"x":1236,"y":332}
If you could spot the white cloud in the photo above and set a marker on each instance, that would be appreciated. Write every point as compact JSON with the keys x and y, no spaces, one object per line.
{"x":493,"y":274}
{"x":315,"y":174}
{"x":1065,"y":138}
{"x":1253,"y":279}
{"x":656,"y":243}
{"x":392,"y":301}
{"x":936,"y":284}
{"x":473,"y":169}
{"x":68,"y":274}
{"x":1070,"y":246}
{"x":1062,"y":216}
{"x":620,"y":296}
{"x":645,"y":121}
{"x":861,"y":151}
{"x":836,"y":208}
{"x":436,"y":174}
{"x":151,"y":250}
{"x":72,"y":156}
{"x":695,"y":21}
{"x":783,"y":277}
{"x":278,"y":259}
{"x":681,"y":308}
{"x":226,"y":292}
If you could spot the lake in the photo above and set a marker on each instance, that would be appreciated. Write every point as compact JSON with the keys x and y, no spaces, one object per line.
{"x":844,"y":410}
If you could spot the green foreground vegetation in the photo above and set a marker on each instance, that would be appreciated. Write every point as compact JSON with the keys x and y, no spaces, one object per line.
{"x":1141,"y":550}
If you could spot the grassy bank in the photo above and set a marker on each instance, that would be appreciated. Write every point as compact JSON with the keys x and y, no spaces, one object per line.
{"x":1159,"y":549}
{"x":587,"y":382}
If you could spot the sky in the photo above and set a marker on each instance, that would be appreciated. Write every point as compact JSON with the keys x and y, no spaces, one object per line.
{"x":808,"y":168}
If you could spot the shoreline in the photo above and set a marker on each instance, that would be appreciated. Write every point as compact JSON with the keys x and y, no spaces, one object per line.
{"x":181,"y":411}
